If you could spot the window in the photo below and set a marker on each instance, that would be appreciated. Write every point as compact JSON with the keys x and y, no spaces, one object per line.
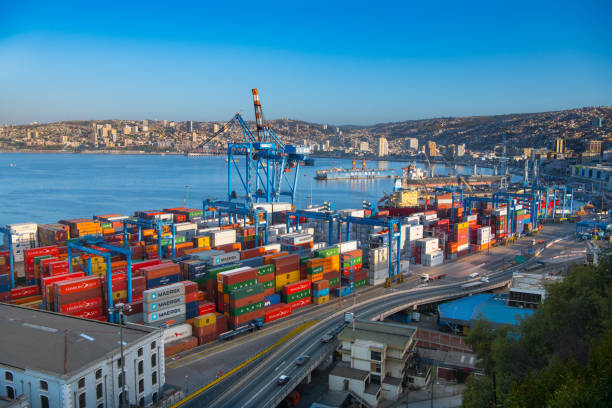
{"x":10,"y":392}
{"x":99,"y":391}
{"x":44,"y":386}
{"x":141,"y":402}
{"x":98,"y":373}
{"x":154,"y":377}
{"x":153,"y":345}
{"x":8,"y":376}
{"x":101,"y":405}
{"x":82,"y":383}
{"x":120,"y":398}
{"x":140,"y":352}
{"x":119,"y":363}
{"x":44,"y":401}
{"x":155,"y":397}
{"x":120,"y":380}
{"x":375,"y":355}
{"x":375,"y":379}
{"x":82,"y":400}
{"x":141,"y":386}
{"x":153,"y":360}
{"x":140,"y":367}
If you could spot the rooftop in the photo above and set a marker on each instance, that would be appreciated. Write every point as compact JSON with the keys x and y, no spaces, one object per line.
{"x":34,"y":339}
{"x":347,"y":372}
{"x":531,"y":282}
{"x":448,"y":358}
{"x":393,"y":335}
{"x":487,"y":306}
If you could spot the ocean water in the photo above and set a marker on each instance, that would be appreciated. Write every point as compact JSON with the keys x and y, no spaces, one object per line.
{"x":45,"y":188}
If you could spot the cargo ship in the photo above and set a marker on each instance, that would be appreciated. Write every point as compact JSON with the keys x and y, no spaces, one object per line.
{"x":354,"y":173}
{"x":414,"y":177}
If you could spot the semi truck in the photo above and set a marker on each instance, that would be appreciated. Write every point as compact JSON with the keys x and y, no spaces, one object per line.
{"x":247,"y":327}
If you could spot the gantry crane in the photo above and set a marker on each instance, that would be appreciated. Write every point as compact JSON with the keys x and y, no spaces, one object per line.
{"x":268,"y":161}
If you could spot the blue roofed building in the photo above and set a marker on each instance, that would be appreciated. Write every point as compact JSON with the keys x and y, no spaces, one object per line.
{"x":462,"y":313}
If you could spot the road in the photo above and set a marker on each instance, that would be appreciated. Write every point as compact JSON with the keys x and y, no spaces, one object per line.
{"x":255,"y":386}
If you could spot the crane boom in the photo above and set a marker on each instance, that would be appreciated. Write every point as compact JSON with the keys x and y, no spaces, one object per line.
{"x":258,"y":115}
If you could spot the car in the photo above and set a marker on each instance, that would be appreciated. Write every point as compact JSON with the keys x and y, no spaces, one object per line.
{"x":282,"y":380}
{"x":327,"y":338}
{"x":301,"y":360}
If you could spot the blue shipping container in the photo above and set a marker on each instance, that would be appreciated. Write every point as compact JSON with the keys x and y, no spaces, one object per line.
{"x":343,"y":291}
{"x":320,"y":293}
{"x":164,"y":280}
{"x":272,"y":300}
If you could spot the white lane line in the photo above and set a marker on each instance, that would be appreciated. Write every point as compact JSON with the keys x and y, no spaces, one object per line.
{"x":280,"y":365}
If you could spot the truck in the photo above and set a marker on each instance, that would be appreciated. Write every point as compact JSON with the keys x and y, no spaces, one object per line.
{"x":255,"y":324}
{"x":425,"y":277}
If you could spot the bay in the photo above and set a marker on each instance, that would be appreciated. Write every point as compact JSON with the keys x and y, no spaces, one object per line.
{"x":47,"y":187}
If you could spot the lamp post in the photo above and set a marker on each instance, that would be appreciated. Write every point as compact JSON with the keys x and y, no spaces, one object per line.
{"x":119,"y":308}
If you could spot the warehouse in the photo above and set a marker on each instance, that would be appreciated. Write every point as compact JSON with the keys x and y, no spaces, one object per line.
{"x":56,"y":360}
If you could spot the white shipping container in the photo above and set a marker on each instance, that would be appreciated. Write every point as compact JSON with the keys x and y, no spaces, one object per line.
{"x":164,"y":314}
{"x":272,"y":247}
{"x":435,"y":258}
{"x":177,"y":332}
{"x":222,"y":237}
{"x":427,"y":245}
{"x":24,"y":227}
{"x":318,"y":245}
{"x":430,"y":222}
{"x":483,"y":235}
{"x":500,"y":211}
{"x":471,"y":217}
{"x":463,"y":247}
{"x":415,"y":232}
{"x":167,"y":303}
{"x":185,"y":226}
{"x":347,"y":246}
{"x":412,"y":220}
{"x":430,"y":216}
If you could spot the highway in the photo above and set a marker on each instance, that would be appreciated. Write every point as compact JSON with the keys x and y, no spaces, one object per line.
{"x":255,"y":385}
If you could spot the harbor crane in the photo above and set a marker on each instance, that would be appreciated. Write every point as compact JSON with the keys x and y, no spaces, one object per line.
{"x":268,"y":162}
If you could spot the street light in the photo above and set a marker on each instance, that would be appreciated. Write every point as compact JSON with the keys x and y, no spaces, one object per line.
{"x":119,"y":308}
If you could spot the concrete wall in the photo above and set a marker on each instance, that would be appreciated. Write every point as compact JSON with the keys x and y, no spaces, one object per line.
{"x":391,"y":392}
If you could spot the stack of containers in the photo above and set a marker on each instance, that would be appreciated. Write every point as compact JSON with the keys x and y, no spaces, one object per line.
{"x":378,"y":263}
{"x":24,"y":236}
{"x":222,"y":237}
{"x":80,"y":227}
{"x":499,"y":222}
{"x":331,"y":264}
{"x":313,"y":269}
{"x":266,"y":276}
{"x":297,"y":294}
{"x":427,"y":252}
{"x":231,"y":280}
{"x":164,"y":305}
{"x":211,"y":288}
{"x":246,"y":304}
{"x":205,"y":328}
{"x":160,"y":275}
{"x":192,"y":308}
{"x":46,"y":288}
{"x":320,"y":292}
{"x":352,"y":267}
{"x":286,"y":270}
{"x":483,"y":238}
{"x":80,"y":297}
{"x":28,"y":296}
{"x":119,"y":288}
{"x":461,"y":235}
{"x":444,"y":201}
{"x":221,"y":325}
{"x":30,"y":254}
{"x":53,"y":234}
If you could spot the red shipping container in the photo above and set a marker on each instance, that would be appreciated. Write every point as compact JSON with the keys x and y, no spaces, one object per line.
{"x":32,"y":253}
{"x":77,"y":285}
{"x":231,"y":277}
{"x":89,"y":314}
{"x":206,"y":307}
{"x":191,"y":297}
{"x":83,"y":305}
{"x":277,"y":311}
{"x":190,"y":287}
{"x":24,"y":291}
{"x":296,"y":287}
{"x":299,"y":303}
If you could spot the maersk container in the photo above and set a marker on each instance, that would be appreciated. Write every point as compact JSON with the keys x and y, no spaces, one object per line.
{"x":165,"y":292}
{"x":165,"y":314}
{"x":166,"y":303}
{"x":225,"y":258}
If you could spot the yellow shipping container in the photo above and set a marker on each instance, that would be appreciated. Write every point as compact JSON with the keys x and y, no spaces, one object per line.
{"x":286,"y":278}
{"x":202,"y":241}
{"x":320,"y":300}
{"x":120,"y":294}
{"x":205,"y":320}
{"x":462,"y":225}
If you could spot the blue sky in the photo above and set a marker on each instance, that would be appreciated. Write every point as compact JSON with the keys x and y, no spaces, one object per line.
{"x":326,"y":62}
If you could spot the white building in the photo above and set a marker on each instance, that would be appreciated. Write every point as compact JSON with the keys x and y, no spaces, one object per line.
{"x":375,"y":358}
{"x":383,"y":147}
{"x":412,"y":143}
{"x":57,"y":360}
{"x":364,"y":146}
{"x":528,"y":290}
{"x":593,"y":174}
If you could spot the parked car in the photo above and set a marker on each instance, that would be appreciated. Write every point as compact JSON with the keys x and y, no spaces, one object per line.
{"x":327,"y":338}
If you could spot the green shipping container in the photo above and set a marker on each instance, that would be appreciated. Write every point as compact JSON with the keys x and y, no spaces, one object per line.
{"x":179,"y":239}
{"x":327,"y":252}
{"x":315,"y":270}
{"x":239,"y":285}
{"x":265,"y":269}
{"x":106,"y":225}
{"x":334,"y":281}
{"x":247,"y":291}
{"x":304,"y":259}
{"x":247,"y":309}
{"x":269,"y":285}
{"x":352,"y":261}
{"x":40,"y":258}
{"x":360,"y":283}
{"x":295,"y":296}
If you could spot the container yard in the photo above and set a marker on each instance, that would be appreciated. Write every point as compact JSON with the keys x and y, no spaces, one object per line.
{"x":206,"y":275}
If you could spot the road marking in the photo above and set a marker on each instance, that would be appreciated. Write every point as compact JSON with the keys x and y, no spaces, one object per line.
{"x":279,"y":366}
